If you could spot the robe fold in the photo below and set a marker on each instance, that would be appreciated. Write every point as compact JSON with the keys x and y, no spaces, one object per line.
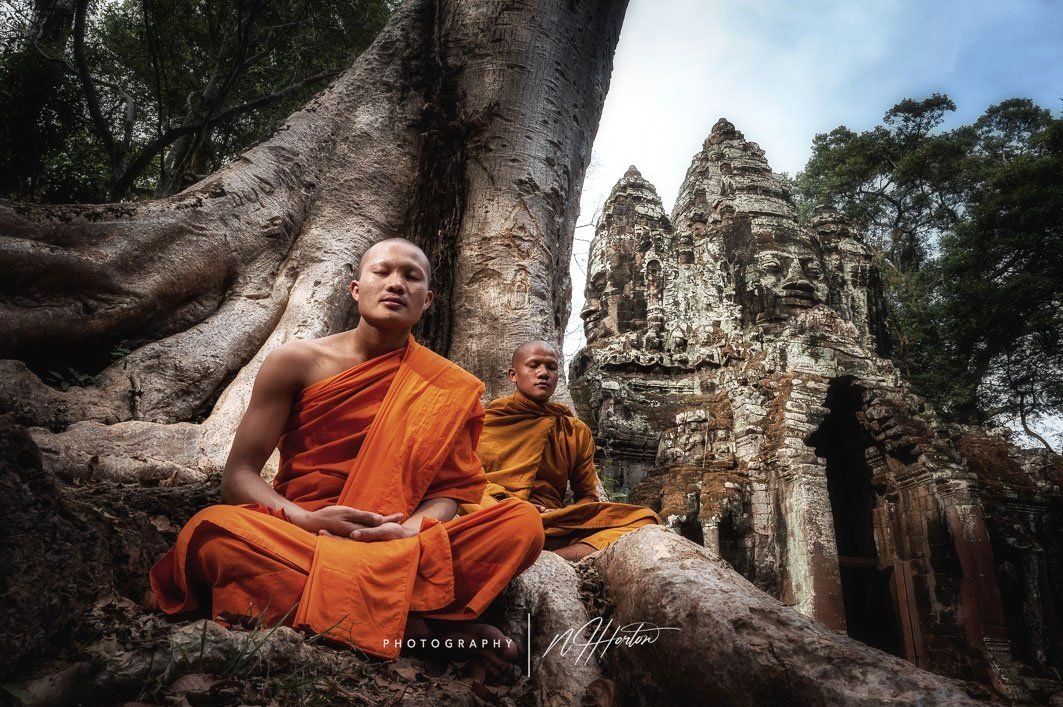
{"x":533,"y":451}
{"x":382,"y":436}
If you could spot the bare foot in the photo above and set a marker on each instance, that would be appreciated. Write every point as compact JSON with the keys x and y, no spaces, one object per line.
{"x":575,"y":552}
{"x":492,"y":649}
{"x":149,"y":601}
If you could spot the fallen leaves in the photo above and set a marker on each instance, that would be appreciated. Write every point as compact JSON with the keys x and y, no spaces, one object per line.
{"x":407,"y":670}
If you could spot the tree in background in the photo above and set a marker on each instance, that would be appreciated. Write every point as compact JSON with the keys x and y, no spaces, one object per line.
{"x":969,"y":225}
{"x":902,"y":182}
{"x":105,"y":101}
{"x":1001,"y":277}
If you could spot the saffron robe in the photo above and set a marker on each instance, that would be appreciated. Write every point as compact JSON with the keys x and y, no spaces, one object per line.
{"x":382,"y":436}
{"x":533,"y":451}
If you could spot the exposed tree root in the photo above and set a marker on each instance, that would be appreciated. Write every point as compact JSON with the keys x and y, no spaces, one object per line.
{"x":735,"y":644}
{"x":546,"y":594}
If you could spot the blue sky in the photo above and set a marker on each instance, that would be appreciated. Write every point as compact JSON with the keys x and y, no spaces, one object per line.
{"x":783,"y":71}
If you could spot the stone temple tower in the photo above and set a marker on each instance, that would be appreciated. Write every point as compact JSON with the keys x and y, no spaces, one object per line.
{"x":625,"y":259}
{"x":737,"y":378}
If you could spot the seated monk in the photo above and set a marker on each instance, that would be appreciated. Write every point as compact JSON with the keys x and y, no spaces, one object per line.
{"x":357,"y":537}
{"x":533,"y":449}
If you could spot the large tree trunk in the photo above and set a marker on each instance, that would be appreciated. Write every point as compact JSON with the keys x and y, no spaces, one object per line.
{"x":525,"y":172}
{"x":466,"y":127}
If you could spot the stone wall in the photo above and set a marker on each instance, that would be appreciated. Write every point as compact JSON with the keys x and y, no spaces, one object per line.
{"x":737,"y":381}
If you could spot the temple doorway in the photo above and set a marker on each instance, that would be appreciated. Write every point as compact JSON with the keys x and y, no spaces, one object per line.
{"x":870,"y":587}
{"x":690,"y":528}
{"x":734,"y":544}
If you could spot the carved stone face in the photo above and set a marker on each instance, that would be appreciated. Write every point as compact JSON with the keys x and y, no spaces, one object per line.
{"x":783,"y":279}
{"x":595,"y":311}
{"x":592,"y":315}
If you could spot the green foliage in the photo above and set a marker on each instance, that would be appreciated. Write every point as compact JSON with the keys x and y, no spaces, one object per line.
{"x":70,"y":378}
{"x":1002,"y":282}
{"x":168,"y":92}
{"x":970,"y":222}
{"x":903,"y":184}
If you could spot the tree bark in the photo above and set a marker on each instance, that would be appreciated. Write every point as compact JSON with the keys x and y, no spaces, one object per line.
{"x":544,"y":601}
{"x":526,"y":171}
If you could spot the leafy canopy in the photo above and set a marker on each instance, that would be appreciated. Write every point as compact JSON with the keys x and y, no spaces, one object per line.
{"x":969,"y":225}
{"x":139,"y":98}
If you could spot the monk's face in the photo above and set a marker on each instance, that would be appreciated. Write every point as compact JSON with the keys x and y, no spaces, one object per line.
{"x":535,"y":371}
{"x":392,"y":287}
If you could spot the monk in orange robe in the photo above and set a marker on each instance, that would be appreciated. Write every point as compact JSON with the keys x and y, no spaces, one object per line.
{"x":357,"y":538}
{"x":533,"y":449}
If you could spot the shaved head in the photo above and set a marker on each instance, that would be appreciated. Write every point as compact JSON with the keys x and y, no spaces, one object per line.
{"x":527,"y":346}
{"x":392,"y":289}
{"x":423,"y":258}
{"x":534,"y":370}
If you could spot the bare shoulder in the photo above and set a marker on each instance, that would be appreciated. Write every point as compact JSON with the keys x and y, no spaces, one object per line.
{"x":331,"y":345}
{"x":287,"y":365}
{"x":296,"y":351}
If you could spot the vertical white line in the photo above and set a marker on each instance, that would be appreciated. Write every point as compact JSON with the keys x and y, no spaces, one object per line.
{"x":529,"y":644}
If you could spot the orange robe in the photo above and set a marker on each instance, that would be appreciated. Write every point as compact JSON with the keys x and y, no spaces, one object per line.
{"x":532,"y":451}
{"x":382,"y":436}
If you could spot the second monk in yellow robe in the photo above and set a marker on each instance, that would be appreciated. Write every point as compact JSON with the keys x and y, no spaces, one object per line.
{"x":533,"y":449}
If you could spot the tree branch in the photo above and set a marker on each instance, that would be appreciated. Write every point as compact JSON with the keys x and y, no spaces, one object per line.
{"x":153,"y":52}
{"x":92,"y":99}
{"x":210,"y":99}
{"x":158,"y":144}
{"x":1026,"y":427}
